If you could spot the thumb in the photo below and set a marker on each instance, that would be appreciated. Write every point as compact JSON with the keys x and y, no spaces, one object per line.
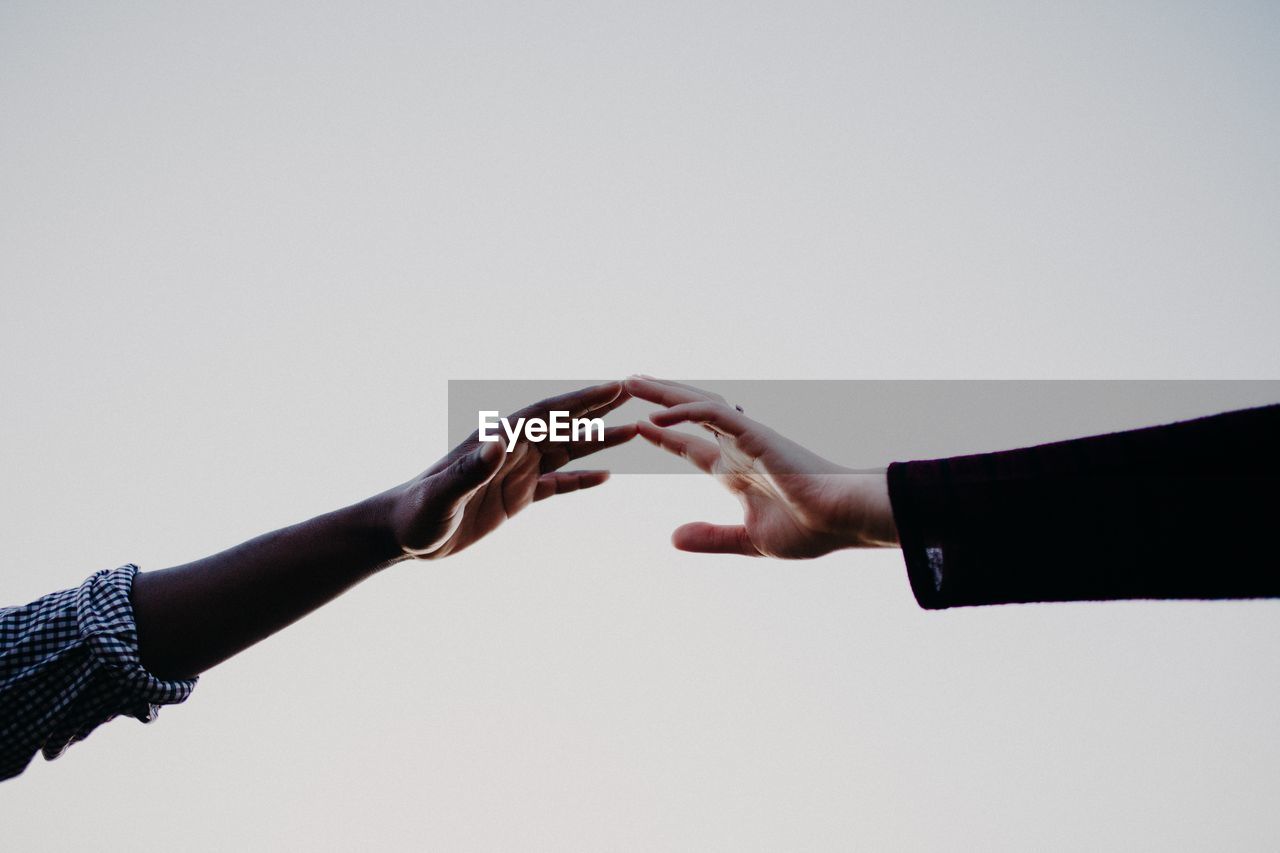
{"x":704,"y":538}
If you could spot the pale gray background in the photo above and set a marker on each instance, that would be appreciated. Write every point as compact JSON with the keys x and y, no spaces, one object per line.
{"x":245,"y":245}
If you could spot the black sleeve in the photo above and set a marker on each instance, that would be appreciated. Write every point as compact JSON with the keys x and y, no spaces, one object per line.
{"x":1186,"y":510}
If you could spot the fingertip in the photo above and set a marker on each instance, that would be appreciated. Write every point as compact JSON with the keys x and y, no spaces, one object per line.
{"x":608,"y":396}
{"x":637,"y":382}
{"x":490,"y":452}
{"x":680,"y":537}
{"x":650,"y":433}
{"x":663,"y":417}
{"x":683,"y":539}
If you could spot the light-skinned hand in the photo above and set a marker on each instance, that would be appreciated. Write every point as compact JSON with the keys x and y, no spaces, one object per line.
{"x":795,"y":503}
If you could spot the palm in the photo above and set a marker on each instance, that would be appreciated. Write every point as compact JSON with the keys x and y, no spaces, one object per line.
{"x":779,"y":526}
{"x":785,"y":491}
{"x":795,"y":503}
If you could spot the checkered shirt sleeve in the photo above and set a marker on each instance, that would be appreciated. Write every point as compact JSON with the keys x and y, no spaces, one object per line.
{"x":69,"y":663}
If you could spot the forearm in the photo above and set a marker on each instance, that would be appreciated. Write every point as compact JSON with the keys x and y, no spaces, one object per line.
{"x":193,"y":616}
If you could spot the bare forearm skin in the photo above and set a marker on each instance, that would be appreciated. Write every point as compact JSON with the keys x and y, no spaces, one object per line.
{"x":194,"y":616}
{"x":870,"y":500}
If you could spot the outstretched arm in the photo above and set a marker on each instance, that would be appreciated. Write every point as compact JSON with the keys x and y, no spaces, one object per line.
{"x":126,"y":642}
{"x":193,"y":616}
{"x":1183,"y":510}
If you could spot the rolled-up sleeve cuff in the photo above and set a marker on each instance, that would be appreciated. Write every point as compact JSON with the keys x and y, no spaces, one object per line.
{"x":104,"y":611}
{"x":112,"y":681}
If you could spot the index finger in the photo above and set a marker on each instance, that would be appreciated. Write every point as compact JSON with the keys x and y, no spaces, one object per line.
{"x":686,"y":386}
{"x":667,"y":393}
{"x":600,"y":399}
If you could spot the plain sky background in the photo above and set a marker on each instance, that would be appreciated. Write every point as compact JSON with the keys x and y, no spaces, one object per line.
{"x":244,"y":246}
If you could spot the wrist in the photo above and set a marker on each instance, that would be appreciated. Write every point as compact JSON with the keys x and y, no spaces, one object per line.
{"x":869,"y":511}
{"x":369,"y":524}
{"x":881,"y":528}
